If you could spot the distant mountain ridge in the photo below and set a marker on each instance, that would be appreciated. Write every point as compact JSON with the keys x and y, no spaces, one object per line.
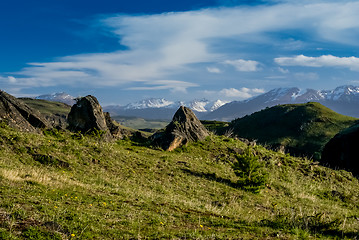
{"x":58,"y":97}
{"x":343,"y":99}
{"x":160,"y":108}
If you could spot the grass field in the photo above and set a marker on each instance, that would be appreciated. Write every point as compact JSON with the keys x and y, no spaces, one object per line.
{"x":61,"y":185}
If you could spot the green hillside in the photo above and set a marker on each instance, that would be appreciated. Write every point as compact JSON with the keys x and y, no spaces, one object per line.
{"x":303,"y":129}
{"x":61,"y":185}
{"x":140,"y":123}
{"x":48,"y":107}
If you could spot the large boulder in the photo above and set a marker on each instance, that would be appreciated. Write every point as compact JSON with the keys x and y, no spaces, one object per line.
{"x":19,"y":115}
{"x":87,"y":115}
{"x":184,"y":128}
{"x":341,"y":150}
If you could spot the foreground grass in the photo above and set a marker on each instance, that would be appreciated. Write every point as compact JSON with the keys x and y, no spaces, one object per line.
{"x":66,"y":186}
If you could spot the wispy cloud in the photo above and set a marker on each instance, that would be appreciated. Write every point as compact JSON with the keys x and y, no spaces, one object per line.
{"x":323,"y":61}
{"x":173,"y":85}
{"x":306,"y":76}
{"x":242,"y":93}
{"x":244,"y":65}
{"x":176,"y":45}
{"x":213,"y":70}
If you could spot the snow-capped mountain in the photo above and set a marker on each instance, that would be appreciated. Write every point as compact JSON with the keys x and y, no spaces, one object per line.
{"x":342,"y":93}
{"x":205,"y":105}
{"x":150,"y":103}
{"x":197,"y":105}
{"x":160,"y":108}
{"x":343,"y":99}
{"x":58,"y":97}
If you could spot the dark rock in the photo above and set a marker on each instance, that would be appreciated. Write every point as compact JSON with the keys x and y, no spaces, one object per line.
{"x":57,"y":121}
{"x":115,"y":128}
{"x":184,"y":128}
{"x":87,"y":115}
{"x":341,"y":150}
{"x":19,"y":115}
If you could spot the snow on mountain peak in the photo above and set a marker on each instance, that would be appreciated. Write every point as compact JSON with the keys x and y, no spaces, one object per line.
{"x":279,"y":93}
{"x":199,"y":105}
{"x":58,"y":97}
{"x":150,"y":103}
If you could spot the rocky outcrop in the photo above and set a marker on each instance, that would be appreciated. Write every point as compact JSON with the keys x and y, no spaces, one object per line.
{"x":116,"y":129}
{"x":341,"y":150}
{"x":18,"y":115}
{"x":184,"y":128}
{"x":87,"y":115}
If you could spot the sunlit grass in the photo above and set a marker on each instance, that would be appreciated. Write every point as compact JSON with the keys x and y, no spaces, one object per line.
{"x":125,"y":190}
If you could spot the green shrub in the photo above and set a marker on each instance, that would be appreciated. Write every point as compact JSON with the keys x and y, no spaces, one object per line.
{"x":250,"y":171}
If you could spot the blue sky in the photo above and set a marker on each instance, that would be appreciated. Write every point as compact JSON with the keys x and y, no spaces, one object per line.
{"x":123,"y":51}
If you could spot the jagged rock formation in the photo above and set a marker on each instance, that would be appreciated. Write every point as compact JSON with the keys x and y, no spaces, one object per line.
{"x":341,"y":150}
{"x":115,"y":129}
{"x":184,"y":127}
{"x":18,"y":115}
{"x":87,"y":115}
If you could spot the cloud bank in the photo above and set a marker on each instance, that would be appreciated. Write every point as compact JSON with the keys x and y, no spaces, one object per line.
{"x":179,"y":45}
{"x":323,"y":61}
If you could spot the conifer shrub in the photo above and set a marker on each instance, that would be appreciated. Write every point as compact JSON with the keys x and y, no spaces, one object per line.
{"x":250,"y":171}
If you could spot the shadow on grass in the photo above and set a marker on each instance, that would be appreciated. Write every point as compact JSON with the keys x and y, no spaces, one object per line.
{"x":312,"y":224}
{"x":211,"y":177}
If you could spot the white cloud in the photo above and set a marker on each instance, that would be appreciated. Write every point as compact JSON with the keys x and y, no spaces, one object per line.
{"x":258,"y":90}
{"x":213,"y":70}
{"x":242,"y":93}
{"x":11,"y":79}
{"x":244,"y":65}
{"x":283,"y":70}
{"x":170,"y":45}
{"x":323,"y":61}
{"x":173,"y":85}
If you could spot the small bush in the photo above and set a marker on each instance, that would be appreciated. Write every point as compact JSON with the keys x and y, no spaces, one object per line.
{"x":250,"y":171}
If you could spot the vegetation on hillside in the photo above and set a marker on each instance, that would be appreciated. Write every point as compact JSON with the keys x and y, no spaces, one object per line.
{"x":140,"y":123}
{"x":62,"y":185}
{"x":303,"y":129}
{"x":47,"y":107}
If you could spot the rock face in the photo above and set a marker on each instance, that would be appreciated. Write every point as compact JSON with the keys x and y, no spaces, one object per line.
{"x":18,"y":115}
{"x":185,"y":127}
{"x":341,"y":150}
{"x":87,"y":115}
{"x":115,"y":129}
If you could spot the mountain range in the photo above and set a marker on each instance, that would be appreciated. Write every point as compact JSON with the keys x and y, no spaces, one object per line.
{"x":58,"y":97}
{"x":343,"y":99}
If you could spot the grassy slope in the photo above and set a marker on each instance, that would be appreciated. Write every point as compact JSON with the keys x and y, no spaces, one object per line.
{"x":140,"y":123}
{"x":48,"y":107}
{"x":87,"y":189}
{"x":302,"y":128}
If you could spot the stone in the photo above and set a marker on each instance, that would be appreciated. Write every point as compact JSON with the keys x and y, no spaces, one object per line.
{"x":115,"y":128}
{"x":341,"y":150}
{"x":87,"y":115}
{"x":184,"y":128}
{"x":19,"y":115}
